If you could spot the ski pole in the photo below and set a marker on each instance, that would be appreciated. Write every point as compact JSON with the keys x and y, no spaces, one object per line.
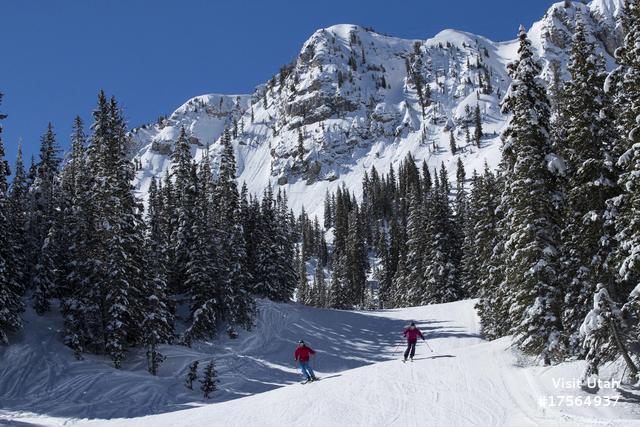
{"x":428,"y":346}
{"x":396,"y":350}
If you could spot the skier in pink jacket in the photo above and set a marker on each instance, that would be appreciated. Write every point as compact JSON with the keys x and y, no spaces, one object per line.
{"x":411,"y":333}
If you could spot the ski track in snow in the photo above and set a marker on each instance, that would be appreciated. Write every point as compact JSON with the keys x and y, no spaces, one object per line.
{"x":466,"y":382}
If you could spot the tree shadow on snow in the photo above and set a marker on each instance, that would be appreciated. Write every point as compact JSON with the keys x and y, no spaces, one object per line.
{"x":438,"y":356}
{"x":11,"y":423}
{"x":256,"y":362}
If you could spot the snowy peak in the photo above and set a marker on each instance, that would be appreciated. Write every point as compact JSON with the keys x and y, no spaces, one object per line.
{"x":609,"y":13}
{"x":354,"y":99}
{"x":204,"y":119}
{"x":552,"y":35}
{"x":607,"y":8}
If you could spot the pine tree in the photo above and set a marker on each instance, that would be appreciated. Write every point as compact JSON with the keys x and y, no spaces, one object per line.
{"x":10,"y":301}
{"x":112,"y":300}
{"x":237,"y":303}
{"x":459,"y":225}
{"x":477,"y":136}
{"x":341,"y":285}
{"x":531,"y":273}
{"x":590,"y":182}
{"x":44,"y":277}
{"x":328,"y":218}
{"x":603,"y":331}
{"x":320,"y":287}
{"x":192,"y":375}
{"x":300,"y":145}
{"x":277,"y":277}
{"x":452,"y":143}
{"x":42,"y":209}
{"x":76,"y":295}
{"x":441,"y":272}
{"x":623,"y":84}
{"x":414,"y":278}
{"x":18,"y":206}
{"x":480,"y":236}
{"x":204,"y":279}
{"x":357,"y":258}
{"x":157,"y":325}
{"x":303,"y":295}
{"x":182,"y":237}
{"x":624,"y":208}
{"x":67,"y":218}
{"x":209,"y":381}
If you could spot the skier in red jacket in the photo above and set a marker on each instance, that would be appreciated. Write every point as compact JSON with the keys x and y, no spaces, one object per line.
{"x":302,"y":355}
{"x":411,"y":333}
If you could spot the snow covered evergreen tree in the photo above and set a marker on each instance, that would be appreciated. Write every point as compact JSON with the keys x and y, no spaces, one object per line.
{"x":441,"y":272}
{"x":182,"y":238}
{"x":202,"y":281}
{"x":534,"y":295}
{"x":489,"y":236}
{"x":414,"y":290}
{"x":18,"y":209}
{"x":158,"y":323}
{"x":477,"y":117}
{"x":75,"y":293}
{"x":303,"y":293}
{"x":44,"y":278}
{"x":623,"y":85}
{"x":110,"y":297}
{"x":277,"y":276}
{"x":10,"y":301}
{"x":479,"y":231}
{"x":605,"y":334}
{"x":43,"y":196}
{"x":233,"y":279}
{"x":192,"y":375}
{"x":357,"y":264}
{"x":590,"y":181}
{"x":320,"y":288}
{"x":209,"y":381}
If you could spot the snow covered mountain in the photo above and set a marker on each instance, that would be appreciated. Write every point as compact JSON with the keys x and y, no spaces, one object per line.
{"x":356,"y":99}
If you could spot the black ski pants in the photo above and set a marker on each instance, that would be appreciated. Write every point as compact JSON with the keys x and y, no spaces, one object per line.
{"x":411,"y":349}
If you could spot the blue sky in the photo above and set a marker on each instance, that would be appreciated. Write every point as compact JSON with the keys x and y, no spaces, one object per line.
{"x":154,"y":55}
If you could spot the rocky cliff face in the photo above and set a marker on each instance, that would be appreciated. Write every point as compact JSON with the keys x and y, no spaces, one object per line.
{"x":354,"y":99}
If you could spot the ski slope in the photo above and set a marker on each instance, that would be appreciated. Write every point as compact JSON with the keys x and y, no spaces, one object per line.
{"x":465,"y":382}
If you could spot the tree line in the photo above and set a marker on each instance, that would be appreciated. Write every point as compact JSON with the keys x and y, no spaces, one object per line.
{"x":549,"y":243}
{"x":76,"y":238}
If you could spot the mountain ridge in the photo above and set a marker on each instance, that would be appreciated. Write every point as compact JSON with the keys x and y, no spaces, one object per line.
{"x":357,"y":99}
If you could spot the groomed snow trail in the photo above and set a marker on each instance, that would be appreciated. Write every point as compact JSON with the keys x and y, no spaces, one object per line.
{"x":466,"y":382}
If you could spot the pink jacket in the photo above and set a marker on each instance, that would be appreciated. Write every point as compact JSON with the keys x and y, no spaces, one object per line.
{"x":412,"y":334}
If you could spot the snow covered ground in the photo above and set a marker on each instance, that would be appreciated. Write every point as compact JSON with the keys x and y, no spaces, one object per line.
{"x":465,"y":382}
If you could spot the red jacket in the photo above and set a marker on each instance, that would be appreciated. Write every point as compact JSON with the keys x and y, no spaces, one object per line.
{"x":303,"y":353}
{"x":412,"y":334}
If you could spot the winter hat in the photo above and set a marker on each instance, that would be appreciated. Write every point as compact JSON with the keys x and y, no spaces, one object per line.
{"x":300,"y":342}
{"x":413,"y":324}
